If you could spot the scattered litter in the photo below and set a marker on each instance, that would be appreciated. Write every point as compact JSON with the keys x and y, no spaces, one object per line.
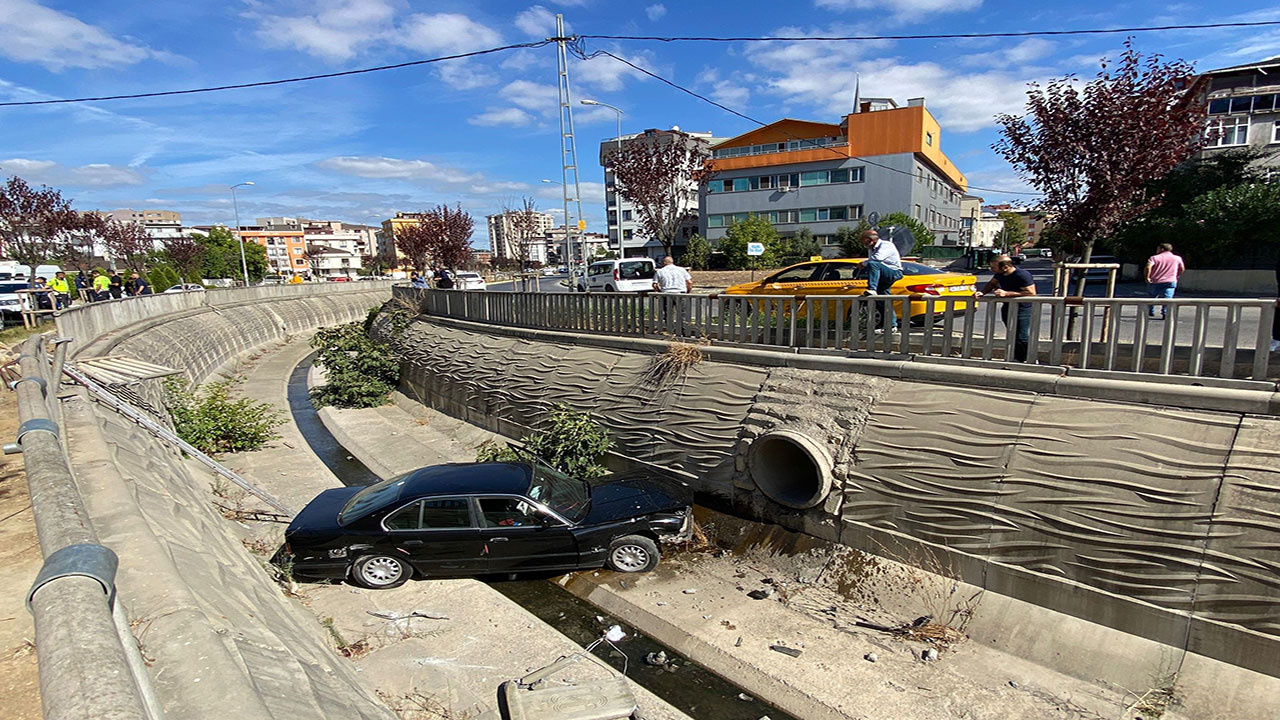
{"x":786,"y":650}
{"x":745,"y":697}
{"x":929,"y":655}
{"x":1013,"y":684}
{"x":656,"y":659}
{"x":760,"y":594}
{"x":392,"y":615}
{"x":614,"y":634}
{"x":350,"y":458}
{"x":689,"y":591}
{"x":624,"y":584}
{"x":600,"y":619}
{"x":739,"y":642}
{"x":728,"y":625}
{"x":871,"y":657}
{"x":661,"y":603}
{"x":767,"y":581}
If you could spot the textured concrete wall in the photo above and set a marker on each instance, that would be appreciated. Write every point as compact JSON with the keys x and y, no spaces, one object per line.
{"x":1157,"y":521}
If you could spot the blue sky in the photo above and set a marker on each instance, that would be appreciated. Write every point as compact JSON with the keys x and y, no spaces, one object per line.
{"x":483,"y":131}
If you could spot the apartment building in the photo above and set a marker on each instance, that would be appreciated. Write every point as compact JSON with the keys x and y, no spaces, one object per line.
{"x":1034,"y":219}
{"x":286,"y":248}
{"x":625,"y":235}
{"x":1244,"y":110}
{"x":821,"y":176}
{"x":159,"y":224}
{"x":505,"y":229}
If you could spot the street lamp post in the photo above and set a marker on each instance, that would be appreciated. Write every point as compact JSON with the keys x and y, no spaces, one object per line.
{"x":618,"y":138}
{"x":244,"y":264}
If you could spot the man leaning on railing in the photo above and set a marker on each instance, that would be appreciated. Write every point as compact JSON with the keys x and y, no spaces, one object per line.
{"x":1011,"y":281}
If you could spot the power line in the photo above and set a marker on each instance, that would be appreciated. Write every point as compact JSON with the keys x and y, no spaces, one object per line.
{"x":938,"y":36}
{"x":265,"y":83}
{"x":582,"y":55}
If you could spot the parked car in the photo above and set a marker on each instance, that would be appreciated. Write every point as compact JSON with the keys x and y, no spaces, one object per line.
{"x":548,"y":271}
{"x":273,"y":280}
{"x":339,"y":278}
{"x":185,"y":287}
{"x":621,"y":275}
{"x":847,"y":277}
{"x":11,"y":302}
{"x":480,"y":518}
{"x":469,"y":281}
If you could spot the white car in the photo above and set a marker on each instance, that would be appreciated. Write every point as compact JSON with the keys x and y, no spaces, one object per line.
{"x":11,"y":303}
{"x":469,"y":281}
{"x":186,"y":287}
{"x":622,"y":275}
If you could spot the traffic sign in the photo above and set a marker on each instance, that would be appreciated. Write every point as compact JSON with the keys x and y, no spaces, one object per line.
{"x":582,"y":224}
{"x":874,"y":219}
{"x":755,"y":248}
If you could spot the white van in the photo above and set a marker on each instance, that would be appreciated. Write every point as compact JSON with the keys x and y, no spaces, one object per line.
{"x":622,"y":275}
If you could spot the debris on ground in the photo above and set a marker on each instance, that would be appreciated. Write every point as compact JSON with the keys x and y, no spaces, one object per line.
{"x":760,"y":594}
{"x":929,"y":655}
{"x":393,"y":615}
{"x":786,"y":650}
{"x":689,"y":591}
{"x":871,"y":657}
{"x":745,"y":697}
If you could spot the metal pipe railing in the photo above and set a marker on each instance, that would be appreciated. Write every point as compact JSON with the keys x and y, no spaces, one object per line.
{"x":1113,"y":334}
{"x":85,"y":669}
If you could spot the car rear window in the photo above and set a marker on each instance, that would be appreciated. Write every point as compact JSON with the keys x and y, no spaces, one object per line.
{"x":910,"y":268}
{"x":12,"y":287}
{"x":373,"y":498}
{"x":636,"y":270}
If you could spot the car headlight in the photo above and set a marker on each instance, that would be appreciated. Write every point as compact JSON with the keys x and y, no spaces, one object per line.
{"x":10,"y":302}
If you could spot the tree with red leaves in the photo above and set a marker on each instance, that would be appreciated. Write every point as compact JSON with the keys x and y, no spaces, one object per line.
{"x":414,"y":241}
{"x":127,"y":244}
{"x":450,"y":242}
{"x":186,"y":255}
{"x":33,"y":222}
{"x":79,"y":240}
{"x":660,"y":176}
{"x":1094,"y":149}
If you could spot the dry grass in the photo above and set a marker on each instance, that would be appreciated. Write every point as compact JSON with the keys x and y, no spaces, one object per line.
{"x":671,"y":366}
{"x":353,"y":650}
{"x":421,"y":706}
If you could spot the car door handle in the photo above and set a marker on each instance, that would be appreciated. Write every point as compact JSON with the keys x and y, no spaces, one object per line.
{"x":498,"y":539}
{"x":412,"y":543}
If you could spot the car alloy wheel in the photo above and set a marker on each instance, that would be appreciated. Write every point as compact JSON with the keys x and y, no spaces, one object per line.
{"x":380,"y":571}
{"x":633,"y":554}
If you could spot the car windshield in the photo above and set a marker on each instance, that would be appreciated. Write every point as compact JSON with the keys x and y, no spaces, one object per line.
{"x":12,"y":287}
{"x":636,"y":270}
{"x":373,"y":498}
{"x":568,"y":497}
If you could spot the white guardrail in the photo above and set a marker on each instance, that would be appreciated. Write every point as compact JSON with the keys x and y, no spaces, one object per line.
{"x":1201,"y":337}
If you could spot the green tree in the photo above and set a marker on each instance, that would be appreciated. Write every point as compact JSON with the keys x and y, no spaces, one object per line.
{"x":804,"y":244}
{"x":359,"y":371}
{"x":847,"y":239}
{"x":570,"y":441}
{"x":222,"y":256}
{"x":214,"y":423}
{"x":740,"y":234}
{"x":1014,"y":231}
{"x":696,"y":253}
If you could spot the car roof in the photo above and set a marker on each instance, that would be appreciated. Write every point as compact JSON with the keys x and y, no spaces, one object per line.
{"x":502,"y":478}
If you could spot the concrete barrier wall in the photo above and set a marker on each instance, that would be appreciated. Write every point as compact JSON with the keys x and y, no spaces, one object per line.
{"x":1157,"y":521}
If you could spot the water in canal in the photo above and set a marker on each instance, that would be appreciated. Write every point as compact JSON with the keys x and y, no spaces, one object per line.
{"x":690,"y":688}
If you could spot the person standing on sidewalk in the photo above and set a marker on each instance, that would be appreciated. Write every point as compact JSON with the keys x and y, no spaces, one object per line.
{"x":671,"y":278}
{"x":1163,"y":270}
{"x":1011,"y":281}
{"x":61,"y":287}
{"x":101,"y":286}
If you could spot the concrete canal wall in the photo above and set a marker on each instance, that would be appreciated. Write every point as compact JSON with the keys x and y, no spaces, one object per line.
{"x":1157,"y":521}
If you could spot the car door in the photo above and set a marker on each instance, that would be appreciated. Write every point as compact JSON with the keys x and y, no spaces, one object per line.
{"x":439,"y":535}
{"x":519,"y":536}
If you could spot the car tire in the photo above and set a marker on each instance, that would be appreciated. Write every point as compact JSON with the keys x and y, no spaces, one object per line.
{"x":610,"y":288}
{"x":582,"y":288}
{"x":380,"y":572}
{"x":632,"y":554}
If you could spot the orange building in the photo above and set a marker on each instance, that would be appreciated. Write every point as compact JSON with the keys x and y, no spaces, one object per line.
{"x":286,"y":249}
{"x":821,"y":176}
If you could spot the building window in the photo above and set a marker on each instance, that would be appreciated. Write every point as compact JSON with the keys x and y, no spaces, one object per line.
{"x":919,"y":175}
{"x":626,"y":215}
{"x":613,"y":217}
{"x":917,"y":212}
{"x":1275,"y":134}
{"x":715,"y":186}
{"x":1228,"y":132}
{"x":715,"y":221}
{"x":928,"y":139}
{"x":627,"y":234}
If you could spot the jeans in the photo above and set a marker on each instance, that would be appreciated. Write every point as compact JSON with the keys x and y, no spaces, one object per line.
{"x":1161,"y":290}
{"x":880,"y":278}
{"x":1020,"y":343}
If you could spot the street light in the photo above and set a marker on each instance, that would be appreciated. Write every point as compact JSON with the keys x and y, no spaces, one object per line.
{"x":618,"y":138}
{"x":244,"y":264}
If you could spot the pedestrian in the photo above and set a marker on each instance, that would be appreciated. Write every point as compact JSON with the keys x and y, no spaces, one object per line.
{"x":82,"y":287}
{"x":672,"y":279}
{"x":101,"y":286}
{"x":884,"y":268}
{"x":44,"y":296}
{"x":61,"y":288}
{"x":1011,"y":281}
{"x":137,"y":285}
{"x":117,"y":285}
{"x":444,"y":278}
{"x":417,"y":281}
{"x":1163,"y":270}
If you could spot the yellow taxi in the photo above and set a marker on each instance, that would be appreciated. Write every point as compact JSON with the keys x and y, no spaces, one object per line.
{"x":845,"y":276}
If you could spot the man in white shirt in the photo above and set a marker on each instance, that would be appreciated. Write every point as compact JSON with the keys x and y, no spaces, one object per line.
{"x":671,"y":278}
{"x":883,"y":264}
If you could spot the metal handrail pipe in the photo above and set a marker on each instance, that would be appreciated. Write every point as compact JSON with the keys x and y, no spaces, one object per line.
{"x":83,"y":667}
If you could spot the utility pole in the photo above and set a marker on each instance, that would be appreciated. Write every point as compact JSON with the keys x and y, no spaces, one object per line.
{"x":568,"y":146}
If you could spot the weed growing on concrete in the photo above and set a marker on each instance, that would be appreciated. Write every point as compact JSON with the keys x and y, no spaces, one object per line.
{"x":934,"y":584}
{"x":360,"y":372}
{"x":1152,"y":704}
{"x":570,"y":441}
{"x":352,"y":650}
{"x":672,"y":365}
{"x":215,"y":423}
{"x":234,"y":496}
{"x":421,"y":706}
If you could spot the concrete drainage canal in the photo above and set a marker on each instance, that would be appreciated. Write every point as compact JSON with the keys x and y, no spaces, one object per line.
{"x":679,"y":681}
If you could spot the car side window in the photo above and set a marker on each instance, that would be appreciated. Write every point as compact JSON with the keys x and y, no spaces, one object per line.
{"x":408,"y":517}
{"x":841,"y":271}
{"x":444,"y":513}
{"x":796,"y":274}
{"x":511,"y":512}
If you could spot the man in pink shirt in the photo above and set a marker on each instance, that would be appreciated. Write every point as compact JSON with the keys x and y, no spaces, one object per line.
{"x":1163,"y":270}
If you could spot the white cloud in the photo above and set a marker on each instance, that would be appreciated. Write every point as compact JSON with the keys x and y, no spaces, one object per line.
{"x":397,"y":168}
{"x":655,"y":12}
{"x":48,"y":172}
{"x":447,"y":33}
{"x":337,"y":30}
{"x":533,"y":96}
{"x":536,"y":21}
{"x":464,"y":76}
{"x":1027,"y":51}
{"x":509,"y":117}
{"x":606,"y":74}
{"x":901,"y":8}
{"x":30,"y":32}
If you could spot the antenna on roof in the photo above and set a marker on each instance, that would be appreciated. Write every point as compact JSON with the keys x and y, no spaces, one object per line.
{"x":857,"y":81}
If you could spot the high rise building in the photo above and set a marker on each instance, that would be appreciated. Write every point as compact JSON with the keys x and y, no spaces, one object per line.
{"x":821,"y":176}
{"x":506,"y":230}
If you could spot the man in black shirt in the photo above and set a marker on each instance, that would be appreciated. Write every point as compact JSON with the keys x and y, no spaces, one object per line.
{"x":1011,"y":281}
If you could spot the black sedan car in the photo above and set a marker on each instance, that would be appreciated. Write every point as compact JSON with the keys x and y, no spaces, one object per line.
{"x":480,"y":518}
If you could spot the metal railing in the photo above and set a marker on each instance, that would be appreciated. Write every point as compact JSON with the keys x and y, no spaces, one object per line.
{"x":1200,"y":337}
{"x":89,"y":662}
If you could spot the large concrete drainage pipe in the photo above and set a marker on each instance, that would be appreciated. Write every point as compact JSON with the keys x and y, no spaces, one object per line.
{"x":790,"y":469}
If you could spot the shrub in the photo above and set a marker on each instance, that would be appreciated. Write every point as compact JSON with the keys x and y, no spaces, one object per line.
{"x":359,"y":371}
{"x":215,"y":423}
{"x":571,"y":442}
{"x":696,"y":253}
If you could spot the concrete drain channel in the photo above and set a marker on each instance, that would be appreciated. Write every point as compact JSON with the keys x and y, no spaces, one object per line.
{"x":681,"y":682}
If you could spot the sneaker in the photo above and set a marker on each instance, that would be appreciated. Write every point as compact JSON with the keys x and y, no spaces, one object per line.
{"x":869,"y":292}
